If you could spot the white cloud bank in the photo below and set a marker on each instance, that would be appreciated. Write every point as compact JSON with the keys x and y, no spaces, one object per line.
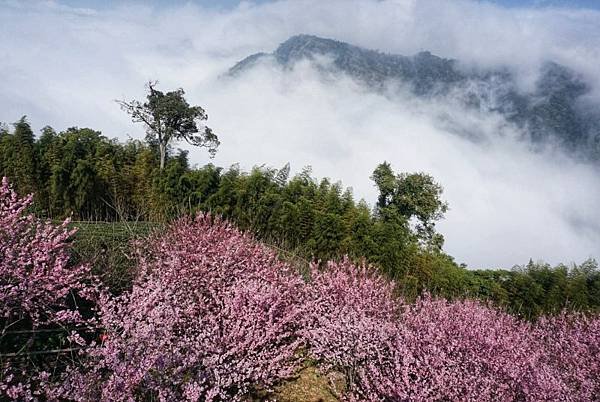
{"x":64,"y":67}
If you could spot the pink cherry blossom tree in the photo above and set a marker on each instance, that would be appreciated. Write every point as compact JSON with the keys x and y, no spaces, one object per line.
{"x":213,"y":315}
{"x":46,"y":303}
{"x":440,"y":350}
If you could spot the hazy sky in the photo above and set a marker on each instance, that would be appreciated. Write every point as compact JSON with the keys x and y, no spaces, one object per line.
{"x":103,"y":4}
{"x":63,"y":64}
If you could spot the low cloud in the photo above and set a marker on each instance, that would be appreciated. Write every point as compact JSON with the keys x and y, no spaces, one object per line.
{"x":63,"y":67}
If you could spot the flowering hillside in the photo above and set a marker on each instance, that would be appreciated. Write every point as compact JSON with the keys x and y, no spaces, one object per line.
{"x":211,"y":316}
{"x":214,"y":315}
{"x":440,"y":350}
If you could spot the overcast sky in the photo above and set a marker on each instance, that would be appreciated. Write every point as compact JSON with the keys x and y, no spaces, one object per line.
{"x":63,"y":63}
{"x":103,"y":4}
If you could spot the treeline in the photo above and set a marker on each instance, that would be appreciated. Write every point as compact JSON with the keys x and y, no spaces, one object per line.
{"x":79,"y":172}
{"x":82,"y":173}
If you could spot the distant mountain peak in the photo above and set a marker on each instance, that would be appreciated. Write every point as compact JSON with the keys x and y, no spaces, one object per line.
{"x":551,"y":111}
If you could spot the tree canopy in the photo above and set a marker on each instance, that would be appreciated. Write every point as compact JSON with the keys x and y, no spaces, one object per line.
{"x":167,"y":117}
{"x":414,"y":196}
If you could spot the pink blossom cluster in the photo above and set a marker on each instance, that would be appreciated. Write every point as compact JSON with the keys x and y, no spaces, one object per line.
{"x":39,"y":294}
{"x":571,"y":344}
{"x":212,"y":315}
{"x":439,"y":350}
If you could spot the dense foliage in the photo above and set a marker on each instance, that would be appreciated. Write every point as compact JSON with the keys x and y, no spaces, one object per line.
{"x":83,"y":173}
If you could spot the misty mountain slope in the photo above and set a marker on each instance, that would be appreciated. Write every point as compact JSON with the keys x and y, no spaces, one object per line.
{"x":553,"y":112}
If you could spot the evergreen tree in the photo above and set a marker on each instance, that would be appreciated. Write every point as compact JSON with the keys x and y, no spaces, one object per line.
{"x":19,"y":158}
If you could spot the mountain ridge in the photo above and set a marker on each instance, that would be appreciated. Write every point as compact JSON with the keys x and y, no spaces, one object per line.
{"x":551,"y":112}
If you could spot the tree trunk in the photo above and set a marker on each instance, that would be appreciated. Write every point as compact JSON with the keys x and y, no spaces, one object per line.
{"x":163,"y":151}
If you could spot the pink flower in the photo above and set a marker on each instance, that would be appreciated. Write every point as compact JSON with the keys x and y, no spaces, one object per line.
{"x":37,"y":288}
